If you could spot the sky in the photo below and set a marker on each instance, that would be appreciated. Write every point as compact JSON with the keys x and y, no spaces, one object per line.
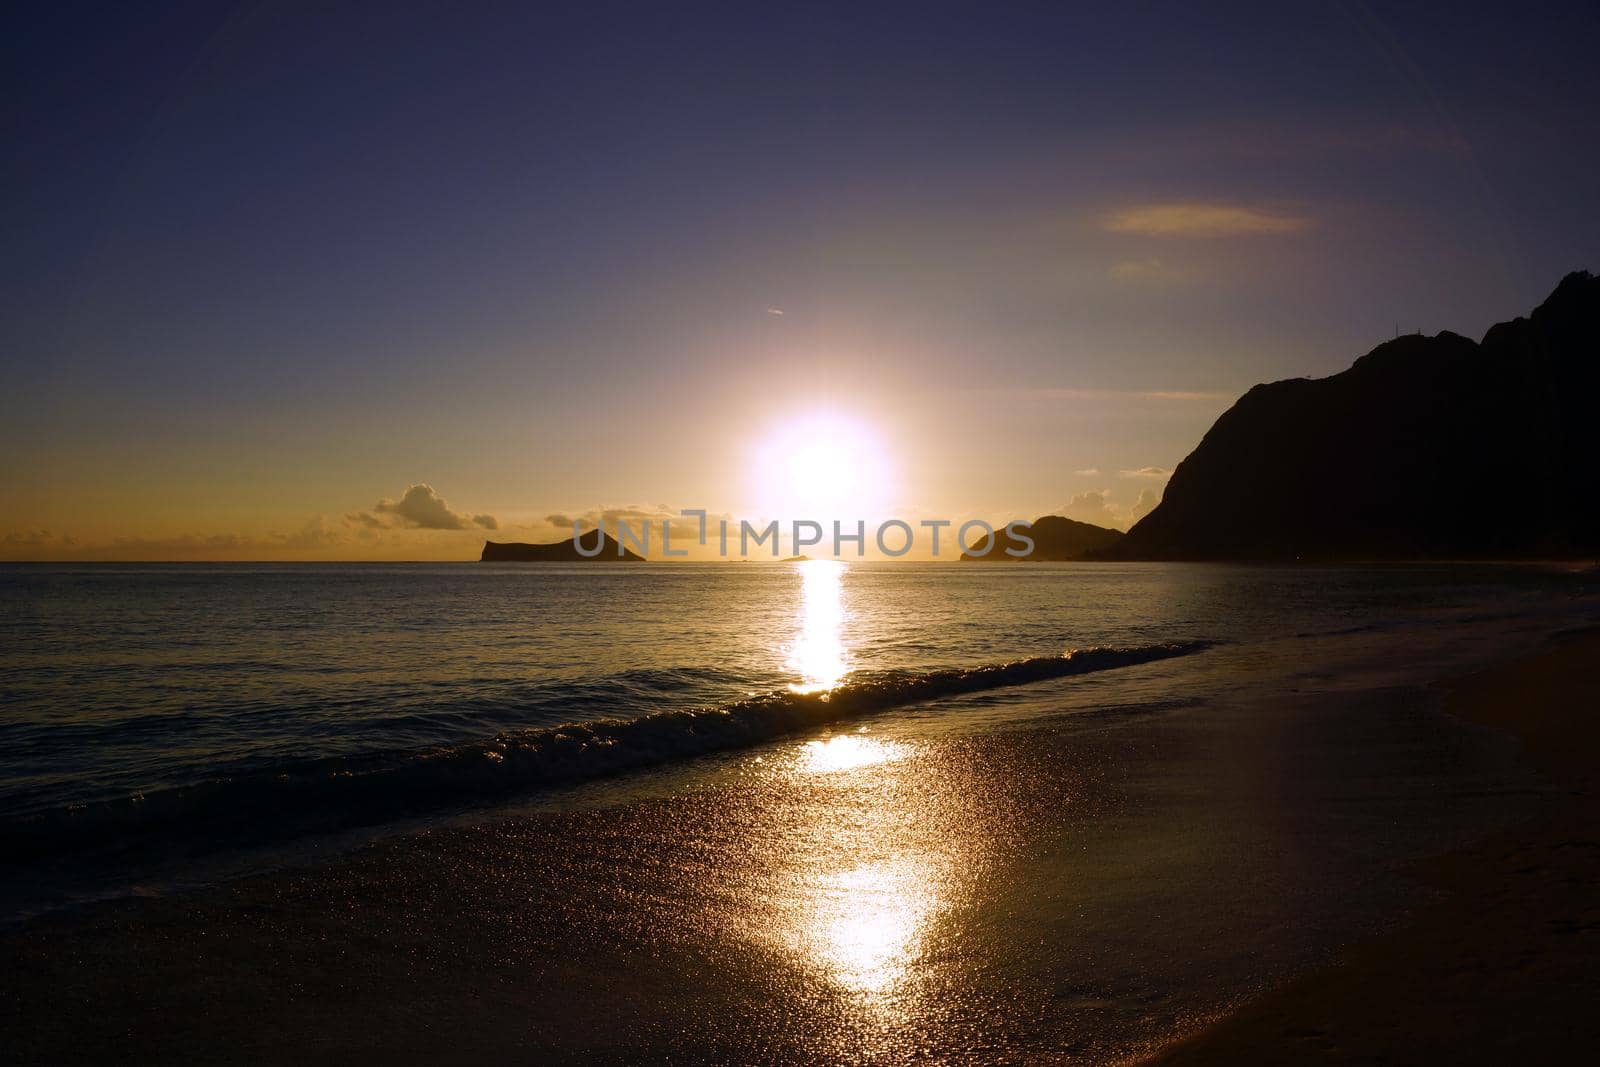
{"x":289,"y":281}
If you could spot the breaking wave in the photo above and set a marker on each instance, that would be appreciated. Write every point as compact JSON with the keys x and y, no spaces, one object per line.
{"x":346,"y":792}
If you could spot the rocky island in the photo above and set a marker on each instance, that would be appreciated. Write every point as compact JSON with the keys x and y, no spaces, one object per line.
{"x":560,"y":551}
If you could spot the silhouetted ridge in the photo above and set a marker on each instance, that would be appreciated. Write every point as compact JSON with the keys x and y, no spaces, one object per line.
{"x":1055,"y":539}
{"x":1427,"y":447}
{"x":560,"y":551}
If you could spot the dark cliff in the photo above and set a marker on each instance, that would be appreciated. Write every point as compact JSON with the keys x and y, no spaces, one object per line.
{"x":1427,"y":447}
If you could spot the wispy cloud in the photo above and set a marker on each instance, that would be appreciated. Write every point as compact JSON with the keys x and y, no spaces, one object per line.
{"x":1185,"y":395}
{"x":316,"y":535}
{"x":1056,"y":392}
{"x":636,"y":516}
{"x":1149,"y":269}
{"x":1186,"y":219}
{"x":1088,"y":472}
{"x":1146,"y":472}
{"x":22,"y":539}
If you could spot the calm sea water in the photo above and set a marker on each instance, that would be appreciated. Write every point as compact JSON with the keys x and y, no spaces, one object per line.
{"x":147,"y":708}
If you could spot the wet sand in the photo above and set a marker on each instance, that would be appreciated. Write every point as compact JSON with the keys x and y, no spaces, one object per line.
{"x":1502,"y":964}
{"x":1079,"y":890}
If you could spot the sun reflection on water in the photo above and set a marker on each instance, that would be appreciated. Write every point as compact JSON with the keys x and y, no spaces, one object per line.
{"x":818,"y":652}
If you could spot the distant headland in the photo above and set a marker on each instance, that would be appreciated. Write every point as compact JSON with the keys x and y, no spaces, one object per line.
{"x":1055,"y":540}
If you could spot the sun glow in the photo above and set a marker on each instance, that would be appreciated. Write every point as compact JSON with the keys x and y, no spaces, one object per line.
{"x":822,"y":466}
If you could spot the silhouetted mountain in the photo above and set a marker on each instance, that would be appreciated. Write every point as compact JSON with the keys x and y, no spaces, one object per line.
{"x":1054,"y":539}
{"x":1427,"y":447}
{"x":559,"y":552}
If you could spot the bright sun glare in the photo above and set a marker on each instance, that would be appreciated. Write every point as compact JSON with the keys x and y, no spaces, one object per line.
{"x":818,"y":652}
{"x":822,"y":466}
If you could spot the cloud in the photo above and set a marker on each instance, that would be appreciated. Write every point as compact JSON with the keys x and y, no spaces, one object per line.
{"x":1057,"y":392}
{"x":36,"y":539}
{"x":775,"y":311}
{"x":1202,"y":220}
{"x":315,"y":536}
{"x":358,"y":535}
{"x":1182,"y":395}
{"x":1146,"y":472}
{"x":637,"y":515}
{"x":643,"y":520}
{"x":1097,"y":506}
{"x":1088,"y":472}
{"x":420,"y":508}
{"x":1146,"y":270}
{"x":182,"y":546}
{"x":1093,"y":507}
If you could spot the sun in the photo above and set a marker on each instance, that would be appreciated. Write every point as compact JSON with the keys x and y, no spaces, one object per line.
{"x":822,"y":466}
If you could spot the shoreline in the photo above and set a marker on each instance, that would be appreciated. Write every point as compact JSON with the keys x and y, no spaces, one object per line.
{"x":1504,"y":962}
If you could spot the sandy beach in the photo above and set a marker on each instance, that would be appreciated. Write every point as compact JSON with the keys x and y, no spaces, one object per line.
{"x":1502,"y":963}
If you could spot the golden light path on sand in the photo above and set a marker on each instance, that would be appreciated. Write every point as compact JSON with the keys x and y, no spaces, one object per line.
{"x":846,"y":752}
{"x":865,"y":922}
{"x":855,"y":905}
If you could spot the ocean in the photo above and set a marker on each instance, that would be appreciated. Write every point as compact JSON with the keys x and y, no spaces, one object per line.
{"x":161,"y":711}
